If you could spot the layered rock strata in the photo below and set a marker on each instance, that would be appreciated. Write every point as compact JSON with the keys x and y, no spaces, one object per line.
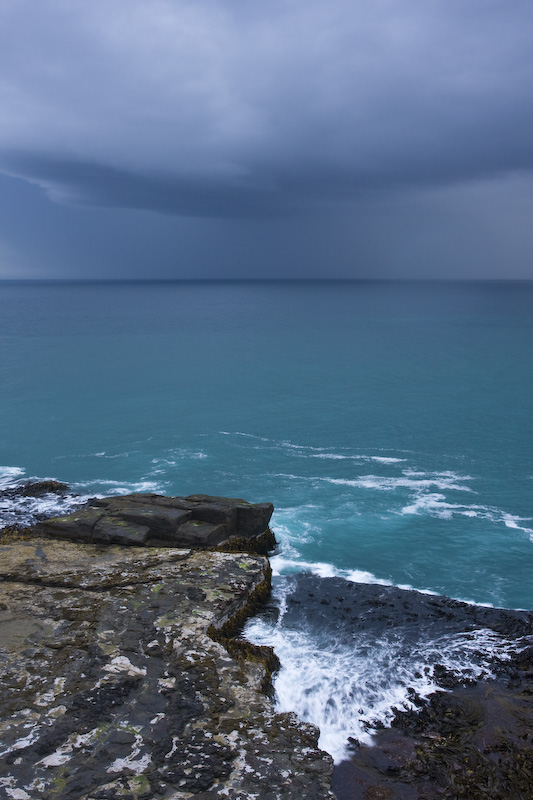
{"x":199,"y":521}
{"x":119,"y":680}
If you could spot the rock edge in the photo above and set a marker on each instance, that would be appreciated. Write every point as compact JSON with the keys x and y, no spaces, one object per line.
{"x":121,"y":675}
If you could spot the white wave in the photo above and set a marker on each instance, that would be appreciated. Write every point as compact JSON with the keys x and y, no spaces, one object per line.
{"x":405,"y":481}
{"x":291,"y":446}
{"x":333,"y":456}
{"x":293,"y":529}
{"x":20,"y":510}
{"x":9,"y":476}
{"x":423,"y":497}
{"x":318,"y":452}
{"x":110,"y":455}
{"x":426,"y":490}
{"x":122,"y":487}
{"x":349,"y":690}
{"x":386,"y":483}
{"x":310,"y":451}
{"x":289,"y":563}
{"x":179,"y":454}
{"x":245,"y":435}
{"x":283,"y":565}
{"x":26,"y":510}
{"x":386,"y":459}
{"x":342,"y":457}
{"x":511,"y":521}
{"x":436,"y":505}
{"x":100,"y":454}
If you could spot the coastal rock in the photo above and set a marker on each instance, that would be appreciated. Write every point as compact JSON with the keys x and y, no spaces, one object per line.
{"x":472,"y":741}
{"x":120,"y":678}
{"x":200,"y":521}
{"x":471,"y":738}
{"x":35,"y":489}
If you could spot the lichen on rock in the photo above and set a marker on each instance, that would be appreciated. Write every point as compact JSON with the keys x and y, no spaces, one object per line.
{"x":121,"y":678}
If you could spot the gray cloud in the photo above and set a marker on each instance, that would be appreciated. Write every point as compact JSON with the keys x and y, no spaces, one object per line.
{"x":482,"y":229}
{"x":238,"y":109}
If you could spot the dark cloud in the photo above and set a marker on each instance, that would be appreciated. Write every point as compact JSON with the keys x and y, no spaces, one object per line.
{"x":218,"y":108}
{"x":480,"y":230}
{"x":80,"y":183}
{"x":232,"y":110}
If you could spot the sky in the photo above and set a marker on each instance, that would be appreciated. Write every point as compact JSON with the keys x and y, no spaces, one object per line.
{"x":285,"y":139}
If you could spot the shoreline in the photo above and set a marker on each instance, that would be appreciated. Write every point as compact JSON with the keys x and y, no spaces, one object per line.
{"x":469,"y":738}
{"x":122,"y":675}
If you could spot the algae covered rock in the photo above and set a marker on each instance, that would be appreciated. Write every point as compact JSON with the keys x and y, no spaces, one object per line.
{"x":117,"y":680}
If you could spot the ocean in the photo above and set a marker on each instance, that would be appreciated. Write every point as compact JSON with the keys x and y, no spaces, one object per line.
{"x":389,"y":423}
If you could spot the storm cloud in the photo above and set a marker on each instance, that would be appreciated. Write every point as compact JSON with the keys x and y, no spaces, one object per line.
{"x":270,"y":112}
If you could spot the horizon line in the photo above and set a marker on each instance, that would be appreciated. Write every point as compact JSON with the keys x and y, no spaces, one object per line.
{"x":266,"y":280}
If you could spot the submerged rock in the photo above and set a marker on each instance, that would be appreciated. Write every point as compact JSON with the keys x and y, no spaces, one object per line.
{"x":35,"y":489}
{"x":200,"y":521}
{"x":119,"y":679}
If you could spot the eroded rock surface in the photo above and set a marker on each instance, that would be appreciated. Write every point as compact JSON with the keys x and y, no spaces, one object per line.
{"x":150,"y":519}
{"x":116,"y":682}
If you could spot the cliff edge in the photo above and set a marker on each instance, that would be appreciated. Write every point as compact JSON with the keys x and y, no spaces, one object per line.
{"x":120,"y":677}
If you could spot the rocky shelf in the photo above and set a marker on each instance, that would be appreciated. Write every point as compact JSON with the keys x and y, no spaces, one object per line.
{"x":120,"y":671}
{"x":123,"y":674}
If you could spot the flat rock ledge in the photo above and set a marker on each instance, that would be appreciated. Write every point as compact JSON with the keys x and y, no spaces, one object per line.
{"x":199,"y":521}
{"x":120,"y":677}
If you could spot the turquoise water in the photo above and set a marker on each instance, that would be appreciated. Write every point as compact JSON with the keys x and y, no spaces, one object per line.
{"x":390,"y":423}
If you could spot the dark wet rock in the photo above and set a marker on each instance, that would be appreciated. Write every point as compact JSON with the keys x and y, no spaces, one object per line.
{"x":121,"y":678}
{"x":163,"y":519}
{"x":35,"y":489}
{"x":217,"y":514}
{"x":472,"y":741}
{"x":201,"y":534}
{"x":329,"y":604}
{"x":79,"y":525}
{"x":38,"y":488}
{"x":117,"y":530}
{"x":200,"y":521}
{"x":261,"y":544}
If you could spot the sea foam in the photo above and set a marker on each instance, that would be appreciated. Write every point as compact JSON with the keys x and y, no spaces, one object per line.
{"x":348,"y":676}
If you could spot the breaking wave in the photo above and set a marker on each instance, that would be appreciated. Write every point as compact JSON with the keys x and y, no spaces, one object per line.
{"x":350,"y":655}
